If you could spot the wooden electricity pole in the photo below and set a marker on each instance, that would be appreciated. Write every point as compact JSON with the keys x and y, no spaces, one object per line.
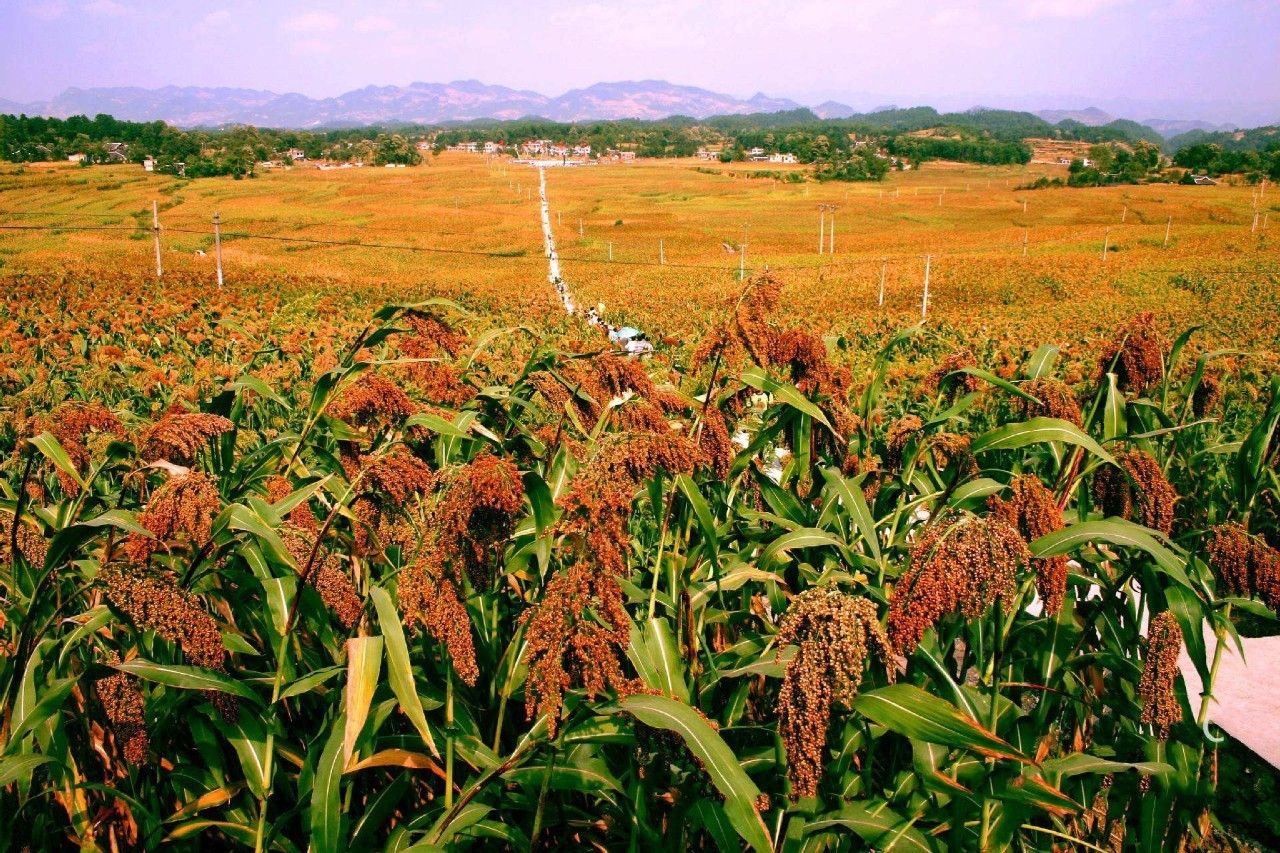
{"x":155,"y":229}
{"x":217,"y":244}
{"x":924,"y":299}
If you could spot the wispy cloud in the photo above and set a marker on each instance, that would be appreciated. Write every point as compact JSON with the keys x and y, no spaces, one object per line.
{"x":1037,"y":9}
{"x":106,"y":8}
{"x":312,"y":22}
{"x":214,"y":20}
{"x":312,"y":47}
{"x":48,"y":11}
{"x":374,"y":24}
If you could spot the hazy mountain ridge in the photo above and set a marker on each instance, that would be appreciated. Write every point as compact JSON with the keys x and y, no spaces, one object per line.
{"x":464,"y":100}
{"x":423,"y":103}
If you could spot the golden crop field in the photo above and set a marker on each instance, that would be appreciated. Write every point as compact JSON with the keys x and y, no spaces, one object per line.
{"x":970,"y":220}
{"x":375,"y":547}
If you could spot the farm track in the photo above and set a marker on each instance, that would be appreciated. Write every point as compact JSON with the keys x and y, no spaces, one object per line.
{"x":549,"y":243}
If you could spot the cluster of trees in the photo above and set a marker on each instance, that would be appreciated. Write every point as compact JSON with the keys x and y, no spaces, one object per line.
{"x":859,"y":164}
{"x":1115,"y":164}
{"x":1126,"y":152}
{"x":234,"y":150}
{"x":972,"y":149}
{"x":1253,"y":139}
{"x":1211,"y":158}
{"x":977,"y":136}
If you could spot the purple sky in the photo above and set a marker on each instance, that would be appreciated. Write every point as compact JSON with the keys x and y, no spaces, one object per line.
{"x":1212,"y":59}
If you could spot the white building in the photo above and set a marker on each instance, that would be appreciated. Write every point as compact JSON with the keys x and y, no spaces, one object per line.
{"x":782,"y":158}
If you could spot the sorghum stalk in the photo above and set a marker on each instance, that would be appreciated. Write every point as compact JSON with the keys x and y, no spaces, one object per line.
{"x":662,"y":542}
{"x":448,"y":721}
{"x":1220,"y":635}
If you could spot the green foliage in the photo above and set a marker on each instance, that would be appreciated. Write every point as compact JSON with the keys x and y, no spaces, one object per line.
{"x":1003,"y":729}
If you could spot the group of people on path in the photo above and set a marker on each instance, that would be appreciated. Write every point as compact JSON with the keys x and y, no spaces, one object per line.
{"x":627,"y":338}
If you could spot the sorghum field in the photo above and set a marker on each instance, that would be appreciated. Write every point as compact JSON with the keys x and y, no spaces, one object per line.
{"x":376,"y":548}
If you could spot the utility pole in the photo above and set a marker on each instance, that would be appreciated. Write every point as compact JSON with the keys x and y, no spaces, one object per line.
{"x":884,"y":265}
{"x":611,"y":251}
{"x":662,"y":254}
{"x":924,"y":299}
{"x":1024,"y":207}
{"x":742,"y":262}
{"x":559,"y":221}
{"x":1168,"y":227}
{"x":1106,"y":241}
{"x":217,"y":244}
{"x":1025,"y":233}
{"x":1124,"y":214}
{"x":831,"y":245}
{"x":823,"y":210}
{"x":155,"y":229}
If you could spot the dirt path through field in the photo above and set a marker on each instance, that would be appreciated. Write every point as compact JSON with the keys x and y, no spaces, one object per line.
{"x":1246,"y":694}
{"x":549,"y":243}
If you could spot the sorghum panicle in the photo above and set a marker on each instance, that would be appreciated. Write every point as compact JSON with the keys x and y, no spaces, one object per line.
{"x":1248,"y":565}
{"x":184,"y":506}
{"x":372,"y":400}
{"x":899,"y":435}
{"x":123,"y":703}
{"x":940,"y":378}
{"x":430,"y":600}
{"x":325,"y":574}
{"x":1033,"y":511}
{"x":961,"y":564}
{"x":1208,"y":394}
{"x":833,"y":632}
{"x":1160,"y":705}
{"x":179,"y":436}
{"x":1138,"y":491}
{"x":71,"y":423}
{"x":1056,"y":401}
{"x":157,"y":603}
{"x":1137,"y":352}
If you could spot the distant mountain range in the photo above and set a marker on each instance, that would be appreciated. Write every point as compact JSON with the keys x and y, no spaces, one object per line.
{"x":1166,"y":127}
{"x":461,"y":100}
{"x":420,"y":103}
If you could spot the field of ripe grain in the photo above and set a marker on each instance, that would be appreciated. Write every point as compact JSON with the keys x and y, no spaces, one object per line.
{"x":377,"y":548}
{"x":479,"y":219}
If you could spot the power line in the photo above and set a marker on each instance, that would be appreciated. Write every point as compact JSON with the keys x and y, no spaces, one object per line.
{"x":524,"y":255}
